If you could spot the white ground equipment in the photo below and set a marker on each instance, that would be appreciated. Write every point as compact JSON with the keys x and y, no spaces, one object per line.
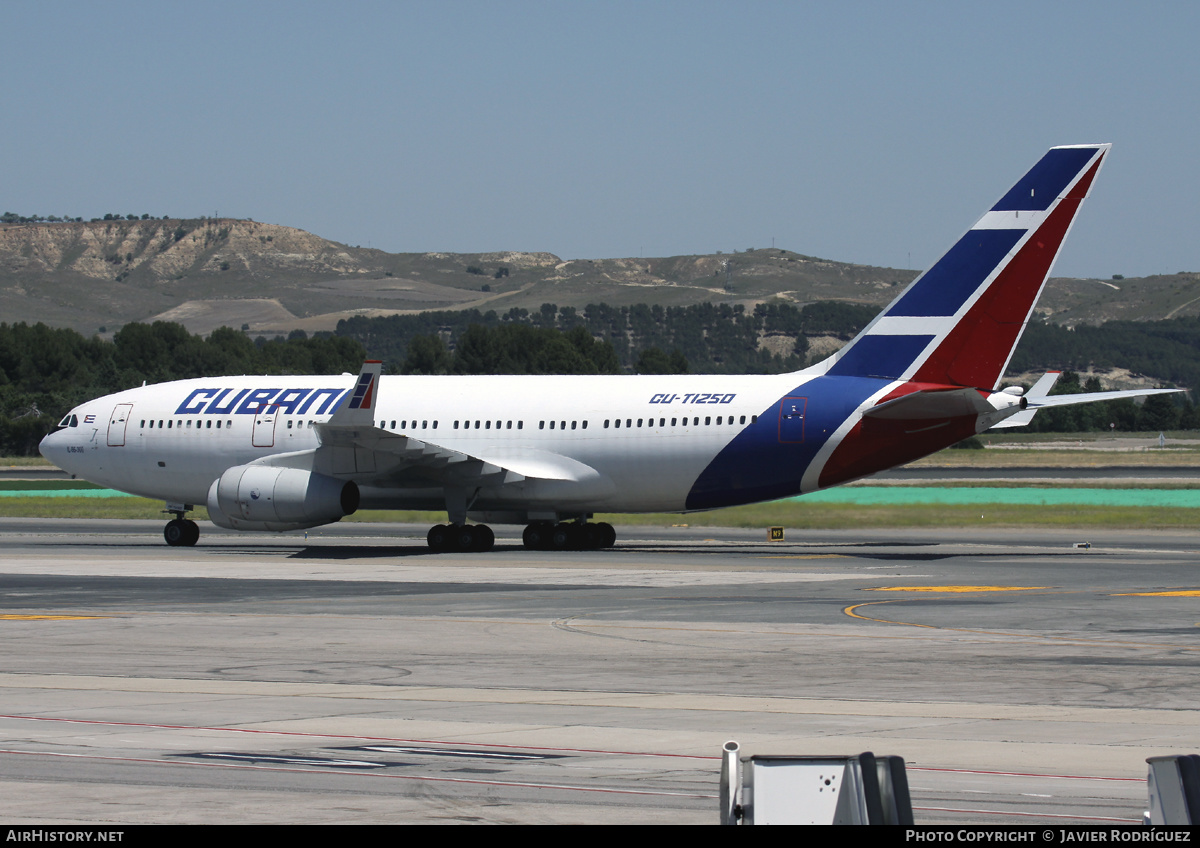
{"x":1173,"y":785}
{"x":863,"y":789}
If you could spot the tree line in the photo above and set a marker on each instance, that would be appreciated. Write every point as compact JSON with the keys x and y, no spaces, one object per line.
{"x":710,"y":338}
{"x":44,"y":371}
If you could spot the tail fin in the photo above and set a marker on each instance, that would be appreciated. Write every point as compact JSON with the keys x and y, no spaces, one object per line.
{"x":959,"y":322}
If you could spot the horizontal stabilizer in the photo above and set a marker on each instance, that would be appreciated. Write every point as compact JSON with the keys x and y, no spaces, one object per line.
{"x":936,"y":403}
{"x":1039,"y":399}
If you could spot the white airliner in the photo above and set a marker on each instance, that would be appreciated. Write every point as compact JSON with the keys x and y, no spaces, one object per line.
{"x":285,"y":453}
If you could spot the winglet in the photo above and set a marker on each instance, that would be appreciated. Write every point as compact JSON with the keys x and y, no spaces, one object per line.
{"x":359,"y":406}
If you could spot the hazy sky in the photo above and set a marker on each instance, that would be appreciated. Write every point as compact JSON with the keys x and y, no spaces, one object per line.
{"x":863,"y":132}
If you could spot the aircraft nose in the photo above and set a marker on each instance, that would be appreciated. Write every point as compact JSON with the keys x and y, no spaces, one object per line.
{"x":52,"y":447}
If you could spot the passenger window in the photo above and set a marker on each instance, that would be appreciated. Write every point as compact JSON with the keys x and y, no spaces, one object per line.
{"x":628,"y":422}
{"x":585,"y":425}
{"x":606,"y":420}
{"x":618,"y":423}
{"x":639,"y":422}
{"x":662,"y":422}
{"x":520,"y":425}
{"x":541,"y":425}
{"x":487,"y":425}
{"x":572,"y":425}
{"x":673,"y":422}
{"x":551,"y":425}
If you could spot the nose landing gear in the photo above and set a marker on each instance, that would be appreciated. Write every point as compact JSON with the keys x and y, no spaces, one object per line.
{"x":182,"y":531}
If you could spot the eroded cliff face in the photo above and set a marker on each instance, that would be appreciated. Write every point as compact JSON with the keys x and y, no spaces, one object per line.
{"x":103,"y":274}
{"x":165,"y":249}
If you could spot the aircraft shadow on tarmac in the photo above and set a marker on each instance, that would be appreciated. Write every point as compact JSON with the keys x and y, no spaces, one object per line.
{"x":352,"y":552}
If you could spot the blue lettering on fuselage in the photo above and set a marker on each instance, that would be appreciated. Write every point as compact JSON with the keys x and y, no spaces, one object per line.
{"x":693,"y":397}
{"x":259,"y":400}
{"x":251,"y":401}
{"x":194,"y":403}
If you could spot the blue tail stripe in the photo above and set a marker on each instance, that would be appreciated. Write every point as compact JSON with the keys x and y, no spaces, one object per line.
{"x":1046,"y":180}
{"x":947,"y":285}
{"x":885,"y":357}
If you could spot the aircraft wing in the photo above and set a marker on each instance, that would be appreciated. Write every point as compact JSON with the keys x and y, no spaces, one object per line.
{"x":352,"y":446}
{"x":365,"y":451}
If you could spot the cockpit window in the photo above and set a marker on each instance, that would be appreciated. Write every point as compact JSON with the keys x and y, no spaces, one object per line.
{"x":69,"y":420}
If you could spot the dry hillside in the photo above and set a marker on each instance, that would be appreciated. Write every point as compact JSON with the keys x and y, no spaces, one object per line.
{"x":209,"y":272}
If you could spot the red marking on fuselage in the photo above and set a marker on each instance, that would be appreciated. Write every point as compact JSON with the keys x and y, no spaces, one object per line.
{"x":876,"y":444}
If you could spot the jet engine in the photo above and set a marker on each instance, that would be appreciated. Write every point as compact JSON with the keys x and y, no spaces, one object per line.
{"x":258,"y":497}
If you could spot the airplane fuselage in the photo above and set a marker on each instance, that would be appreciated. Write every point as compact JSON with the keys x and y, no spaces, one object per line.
{"x":585,"y":444}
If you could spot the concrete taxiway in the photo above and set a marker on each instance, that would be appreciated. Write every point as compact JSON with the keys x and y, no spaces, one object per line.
{"x":353,"y":677}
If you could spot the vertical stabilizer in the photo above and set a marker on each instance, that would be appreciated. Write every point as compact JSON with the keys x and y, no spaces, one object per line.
{"x":959,"y":322}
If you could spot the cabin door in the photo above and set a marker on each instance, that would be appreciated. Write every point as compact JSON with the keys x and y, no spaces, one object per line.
{"x":264,"y":427}
{"x":117,"y":424}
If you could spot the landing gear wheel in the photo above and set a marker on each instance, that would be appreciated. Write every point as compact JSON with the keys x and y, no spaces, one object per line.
{"x":464,"y":538}
{"x":439,"y":537}
{"x":562,"y":537}
{"x":485,"y":539}
{"x":537,"y":536}
{"x":608,"y":536}
{"x":591,"y":536}
{"x":181,"y":532}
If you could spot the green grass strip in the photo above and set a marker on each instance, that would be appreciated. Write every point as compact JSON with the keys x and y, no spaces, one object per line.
{"x":47,"y":485}
{"x":873,"y":495}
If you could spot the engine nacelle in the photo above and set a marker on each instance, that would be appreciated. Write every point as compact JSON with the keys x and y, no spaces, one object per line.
{"x":258,"y":497}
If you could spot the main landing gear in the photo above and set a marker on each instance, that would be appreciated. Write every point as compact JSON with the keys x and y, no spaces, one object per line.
{"x":573,"y":536}
{"x":538,"y":536}
{"x":460,"y":537}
